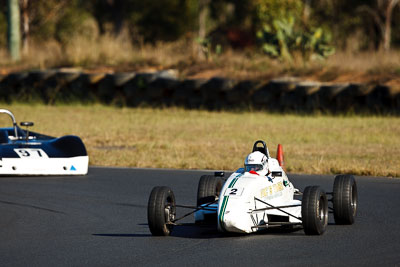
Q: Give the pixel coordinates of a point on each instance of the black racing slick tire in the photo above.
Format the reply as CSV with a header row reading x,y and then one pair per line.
x,y
345,199
161,211
314,210
208,189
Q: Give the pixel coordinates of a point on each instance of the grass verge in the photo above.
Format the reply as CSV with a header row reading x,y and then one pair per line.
x,y
192,139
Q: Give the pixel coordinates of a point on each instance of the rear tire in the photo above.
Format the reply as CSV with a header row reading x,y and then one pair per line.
x,y
208,189
161,211
314,210
344,199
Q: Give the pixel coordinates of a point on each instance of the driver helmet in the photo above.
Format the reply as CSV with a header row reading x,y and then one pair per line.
x,y
255,161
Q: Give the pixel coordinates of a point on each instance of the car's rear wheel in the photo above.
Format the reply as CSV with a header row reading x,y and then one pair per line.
x,y
208,189
344,199
161,211
314,210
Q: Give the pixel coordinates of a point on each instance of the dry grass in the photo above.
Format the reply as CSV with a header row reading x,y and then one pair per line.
x,y
103,51
366,61
176,138
107,52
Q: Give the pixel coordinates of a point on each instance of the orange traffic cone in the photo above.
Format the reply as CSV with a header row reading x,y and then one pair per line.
x,y
279,156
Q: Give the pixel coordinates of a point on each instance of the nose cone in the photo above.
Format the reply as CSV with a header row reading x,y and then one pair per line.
x,y
235,221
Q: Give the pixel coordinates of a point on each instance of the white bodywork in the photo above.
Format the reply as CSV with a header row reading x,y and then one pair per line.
x,y
44,166
246,195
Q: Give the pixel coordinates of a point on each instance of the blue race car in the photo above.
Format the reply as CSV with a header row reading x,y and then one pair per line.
x,y
23,152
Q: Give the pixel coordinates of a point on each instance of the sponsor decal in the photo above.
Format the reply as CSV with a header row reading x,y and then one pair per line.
x,y
272,190
72,168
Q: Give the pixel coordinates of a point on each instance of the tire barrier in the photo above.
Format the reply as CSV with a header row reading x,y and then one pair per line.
x,y
164,88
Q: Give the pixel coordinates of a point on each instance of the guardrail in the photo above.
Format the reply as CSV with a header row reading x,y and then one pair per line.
x,y
163,88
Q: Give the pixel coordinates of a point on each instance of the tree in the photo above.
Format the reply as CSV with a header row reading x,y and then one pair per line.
x,y
25,25
382,16
13,29
202,34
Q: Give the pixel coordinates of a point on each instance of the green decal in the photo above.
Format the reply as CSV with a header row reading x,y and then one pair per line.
x,y
225,202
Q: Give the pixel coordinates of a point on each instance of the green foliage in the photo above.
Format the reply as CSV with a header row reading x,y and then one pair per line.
x,y
205,45
354,23
281,35
43,18
150,20
270,10
209,51
280,25
75,22
166,19
317,43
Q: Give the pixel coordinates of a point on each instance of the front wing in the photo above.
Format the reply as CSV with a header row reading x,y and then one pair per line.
x,y
260,218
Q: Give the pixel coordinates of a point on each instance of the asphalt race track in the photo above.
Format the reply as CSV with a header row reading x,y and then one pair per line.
x,y
101,220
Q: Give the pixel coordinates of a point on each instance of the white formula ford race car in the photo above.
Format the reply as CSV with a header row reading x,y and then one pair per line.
x,y
23,152
255,198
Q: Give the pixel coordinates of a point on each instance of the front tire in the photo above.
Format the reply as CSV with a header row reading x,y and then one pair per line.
x,y
314,210
161,211
344,199
208,189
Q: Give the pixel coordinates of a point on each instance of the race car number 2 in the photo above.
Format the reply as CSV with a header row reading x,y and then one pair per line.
x,y
30,153
237,191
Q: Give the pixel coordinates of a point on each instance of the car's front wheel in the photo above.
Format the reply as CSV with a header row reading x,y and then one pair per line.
x,y
314,210
344,199
161,211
